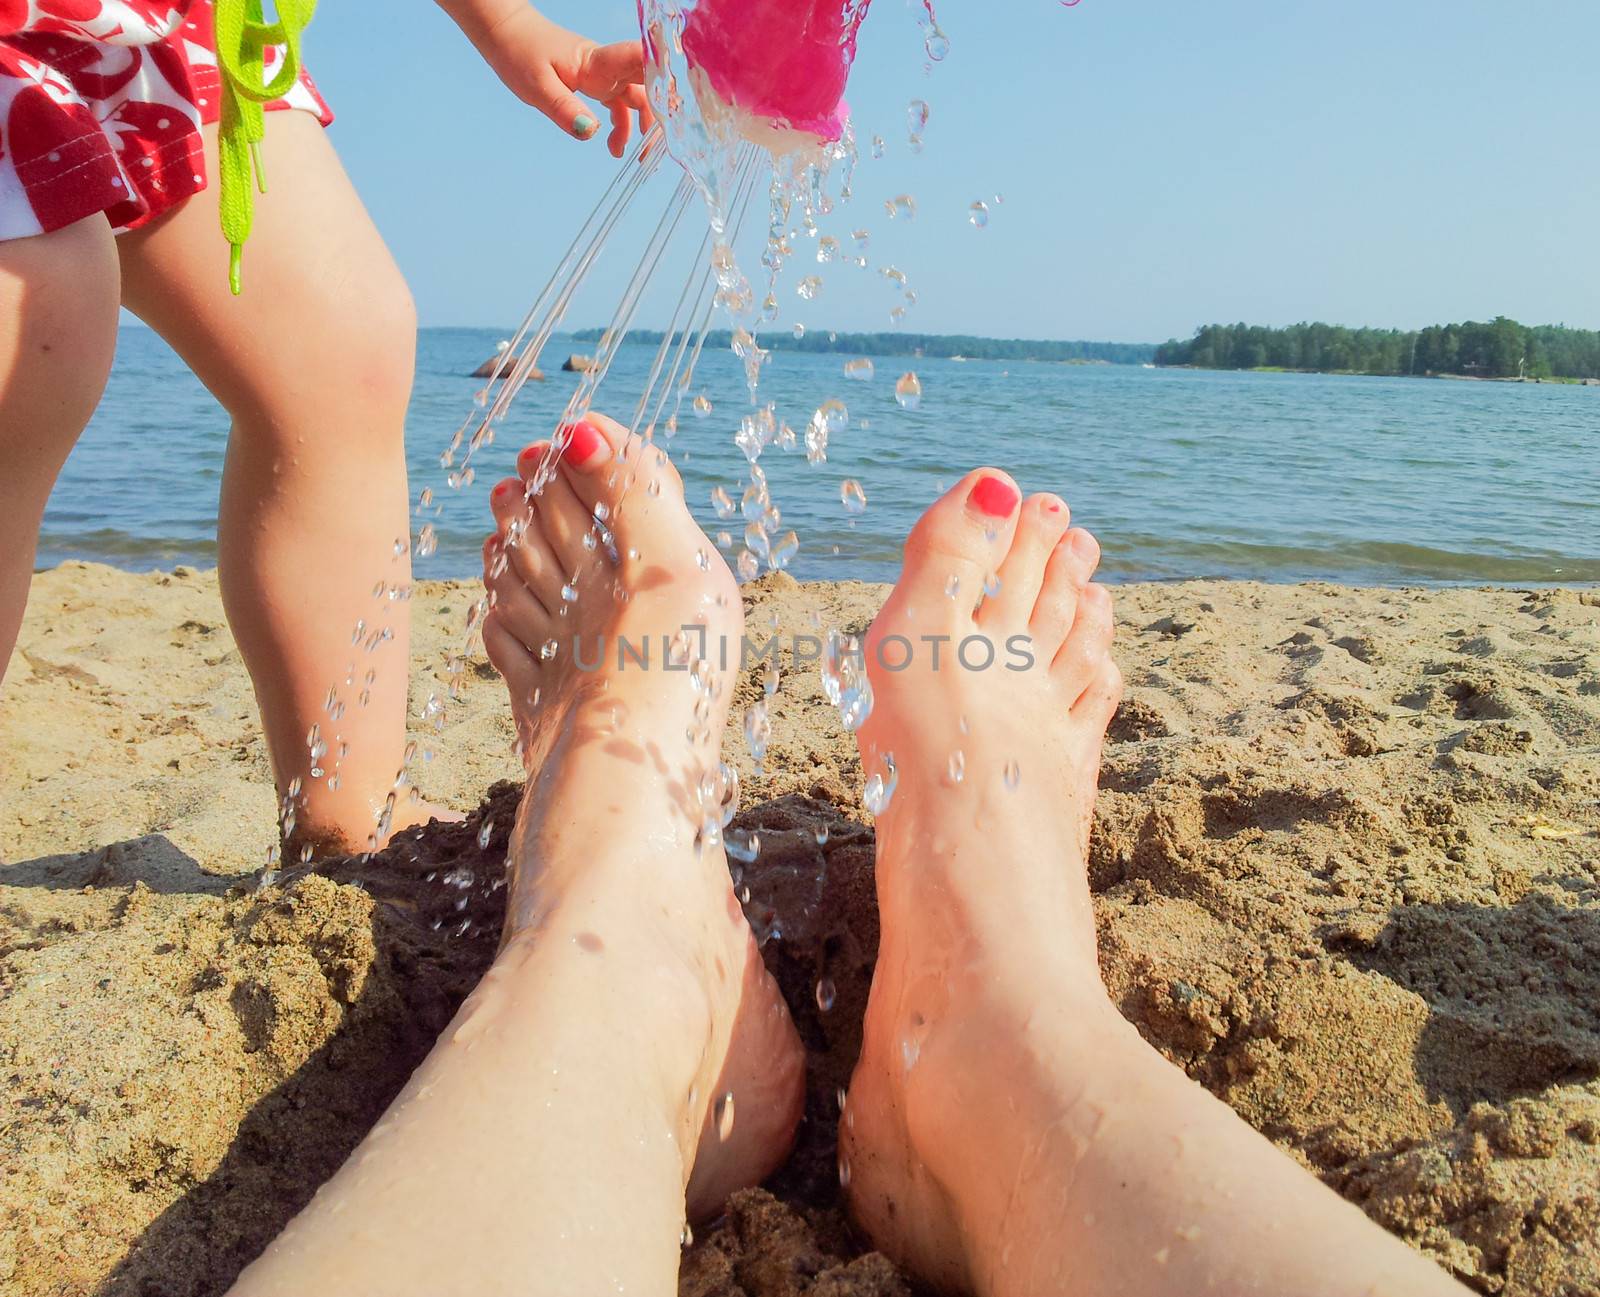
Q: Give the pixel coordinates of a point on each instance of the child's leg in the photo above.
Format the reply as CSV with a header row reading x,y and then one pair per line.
x,y
58,330
313,361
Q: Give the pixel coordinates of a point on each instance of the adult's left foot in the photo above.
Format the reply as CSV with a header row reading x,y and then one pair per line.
x,y
615,623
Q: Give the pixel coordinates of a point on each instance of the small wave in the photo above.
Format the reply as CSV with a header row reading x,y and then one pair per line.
x,y
124,550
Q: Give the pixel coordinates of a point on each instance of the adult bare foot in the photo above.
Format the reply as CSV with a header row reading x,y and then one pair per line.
x,y
1006,1131
615,625
626,1056
993,728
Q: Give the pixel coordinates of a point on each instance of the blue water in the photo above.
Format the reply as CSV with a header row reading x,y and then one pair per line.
x,y
1282,477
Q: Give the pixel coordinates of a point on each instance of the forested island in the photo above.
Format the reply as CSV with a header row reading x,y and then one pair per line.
x,y
939,346
1500,348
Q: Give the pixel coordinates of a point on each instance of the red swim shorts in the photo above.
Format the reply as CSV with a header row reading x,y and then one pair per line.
x,y
101,104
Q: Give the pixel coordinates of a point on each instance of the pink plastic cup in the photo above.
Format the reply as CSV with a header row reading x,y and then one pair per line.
x,y
784,61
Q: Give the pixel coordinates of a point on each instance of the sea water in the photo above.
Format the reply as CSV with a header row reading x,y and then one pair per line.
x,y
1181,473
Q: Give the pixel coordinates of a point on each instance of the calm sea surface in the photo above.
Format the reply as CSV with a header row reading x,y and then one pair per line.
x,y
1281,477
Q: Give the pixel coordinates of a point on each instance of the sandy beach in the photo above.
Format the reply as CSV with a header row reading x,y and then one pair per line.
x,y
1346,866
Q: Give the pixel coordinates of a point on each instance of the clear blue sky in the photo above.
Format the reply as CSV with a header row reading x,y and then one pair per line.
x,y
1164,163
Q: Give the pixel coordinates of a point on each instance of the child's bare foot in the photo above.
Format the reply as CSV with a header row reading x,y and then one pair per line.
x,y
615,625
994,731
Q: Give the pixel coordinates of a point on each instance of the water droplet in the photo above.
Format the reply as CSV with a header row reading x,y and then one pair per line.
x,y
782,551
844,680
878,147
827,249
1013,775
821,835
908,391
880,788
757,731
741,845
485,833
749,566
831,417
936,43
852,496
917,113
702,406
548,650
844,1172
861,370
826,994
991,585
701,676
958,766
952,587
799,330
569,593
722,502
901,205
978,214
724,1117
809,287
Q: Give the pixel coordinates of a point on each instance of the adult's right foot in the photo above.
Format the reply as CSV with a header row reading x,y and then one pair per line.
x,y
1007,1133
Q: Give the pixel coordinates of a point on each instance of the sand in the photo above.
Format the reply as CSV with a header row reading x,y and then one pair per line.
x,y
1347,873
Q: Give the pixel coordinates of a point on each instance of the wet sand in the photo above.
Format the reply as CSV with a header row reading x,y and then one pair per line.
x,y
1347,874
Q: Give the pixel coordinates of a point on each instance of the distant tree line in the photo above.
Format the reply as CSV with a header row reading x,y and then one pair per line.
x,y
1501,348
923,344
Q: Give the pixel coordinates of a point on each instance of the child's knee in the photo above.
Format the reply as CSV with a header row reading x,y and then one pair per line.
x,y
377,348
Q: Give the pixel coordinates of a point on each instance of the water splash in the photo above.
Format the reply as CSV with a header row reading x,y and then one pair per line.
x,y
844,679
881,786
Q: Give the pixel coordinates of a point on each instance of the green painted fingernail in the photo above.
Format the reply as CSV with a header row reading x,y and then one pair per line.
x,y
585,126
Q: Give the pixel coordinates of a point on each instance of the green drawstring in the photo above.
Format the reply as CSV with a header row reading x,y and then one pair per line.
x,y
242,39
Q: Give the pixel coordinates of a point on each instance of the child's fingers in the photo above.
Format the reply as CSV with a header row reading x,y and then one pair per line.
x,y
549,94
637,99
621,127
610,70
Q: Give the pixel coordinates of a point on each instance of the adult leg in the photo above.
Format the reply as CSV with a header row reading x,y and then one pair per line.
x,y
313,362
58,331
1007,1132
627,1048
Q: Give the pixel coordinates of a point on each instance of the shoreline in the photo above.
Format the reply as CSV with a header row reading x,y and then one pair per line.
x,y
1345,872
1115,580
1363,373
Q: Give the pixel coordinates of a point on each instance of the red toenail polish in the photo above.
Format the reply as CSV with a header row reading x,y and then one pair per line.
x,y
994,497
584,442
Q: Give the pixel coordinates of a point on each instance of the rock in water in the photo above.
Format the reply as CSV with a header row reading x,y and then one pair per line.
x,y
487,369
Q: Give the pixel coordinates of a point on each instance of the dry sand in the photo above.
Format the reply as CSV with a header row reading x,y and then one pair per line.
x,y
1347,873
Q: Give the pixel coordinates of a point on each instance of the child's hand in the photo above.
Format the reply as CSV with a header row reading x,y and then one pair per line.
x,y
547,66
